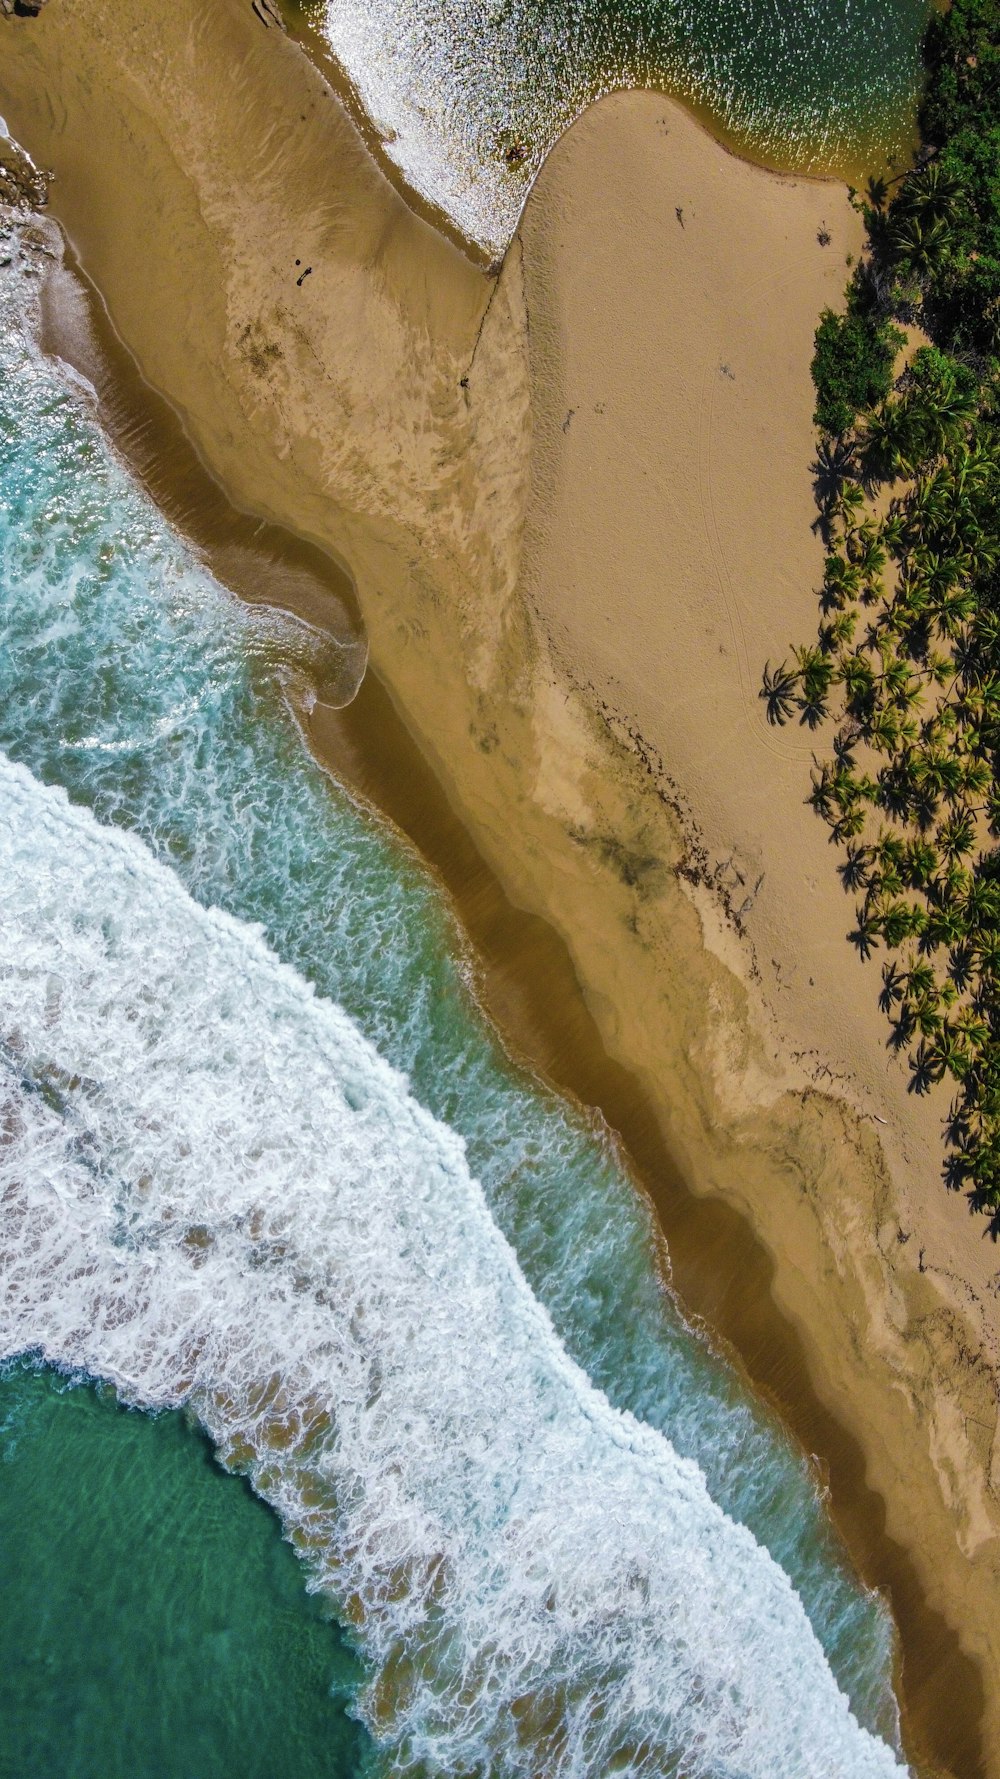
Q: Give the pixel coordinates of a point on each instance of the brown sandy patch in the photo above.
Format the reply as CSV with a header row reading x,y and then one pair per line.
x,y
407,416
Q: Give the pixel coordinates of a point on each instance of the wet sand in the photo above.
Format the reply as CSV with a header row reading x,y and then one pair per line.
x,y
304,22
338,406
525,980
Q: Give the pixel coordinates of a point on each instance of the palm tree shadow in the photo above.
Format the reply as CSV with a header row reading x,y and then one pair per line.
x,y
892,987
961,965
813,712
923,1074
955,1172
980,1200
853,871
834,461
778,691
862,937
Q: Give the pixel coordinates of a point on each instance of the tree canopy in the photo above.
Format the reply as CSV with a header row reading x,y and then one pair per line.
x,y
907,657
852,367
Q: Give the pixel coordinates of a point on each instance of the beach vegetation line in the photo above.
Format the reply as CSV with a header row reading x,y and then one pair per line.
x,y
906,662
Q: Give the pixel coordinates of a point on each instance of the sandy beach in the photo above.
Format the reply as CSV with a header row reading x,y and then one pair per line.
x,y
576,505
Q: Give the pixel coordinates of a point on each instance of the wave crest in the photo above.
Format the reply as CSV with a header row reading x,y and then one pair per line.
x,y
216,1193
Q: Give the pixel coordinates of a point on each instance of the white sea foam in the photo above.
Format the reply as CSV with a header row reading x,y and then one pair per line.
x,y
216,1193
131,678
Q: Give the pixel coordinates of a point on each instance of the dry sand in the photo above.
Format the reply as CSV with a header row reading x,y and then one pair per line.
x,y
577,506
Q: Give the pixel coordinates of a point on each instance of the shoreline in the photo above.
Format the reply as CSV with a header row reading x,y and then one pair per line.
x,y
308,35
524,980
594,889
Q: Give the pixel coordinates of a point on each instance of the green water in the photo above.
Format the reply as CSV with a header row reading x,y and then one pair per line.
x,y
454,85
154,1624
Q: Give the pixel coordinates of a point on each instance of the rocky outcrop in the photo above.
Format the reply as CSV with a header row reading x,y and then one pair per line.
x,y
23,186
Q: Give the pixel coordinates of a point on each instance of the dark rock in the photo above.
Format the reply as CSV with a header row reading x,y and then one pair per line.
x,y
23,186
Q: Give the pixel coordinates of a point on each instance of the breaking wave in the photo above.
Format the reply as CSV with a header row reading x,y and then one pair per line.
x,y
215,1193
132,679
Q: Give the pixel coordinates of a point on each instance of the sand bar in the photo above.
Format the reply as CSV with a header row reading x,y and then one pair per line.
x,y
413,418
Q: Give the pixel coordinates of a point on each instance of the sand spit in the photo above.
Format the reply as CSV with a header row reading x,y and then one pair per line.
x,y
576,503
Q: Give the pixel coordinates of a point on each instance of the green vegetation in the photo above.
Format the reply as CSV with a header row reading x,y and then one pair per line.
x,y
852,366
907,659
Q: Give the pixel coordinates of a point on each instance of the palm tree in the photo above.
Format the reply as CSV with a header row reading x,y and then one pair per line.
x,y
894,529
951,889
919,244
938,774
982,903
816,676
970,471
884,730
857,676
852,498
932,191
986,945
900,683
952,609
957,835
976,776
986,638
971,541
984,1171
842,580
927,508
925,1016
984,698
949,1052
939,418
887,442
897,787
973,1030
902,920
838,631
921,863
920,978
946,1053
889,851
849,823
945,926
866,549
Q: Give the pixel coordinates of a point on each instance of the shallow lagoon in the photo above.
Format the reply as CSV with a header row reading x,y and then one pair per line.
x,y
469,96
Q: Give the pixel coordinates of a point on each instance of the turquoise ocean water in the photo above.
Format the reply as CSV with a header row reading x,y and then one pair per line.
x,y
264,1161
153,1620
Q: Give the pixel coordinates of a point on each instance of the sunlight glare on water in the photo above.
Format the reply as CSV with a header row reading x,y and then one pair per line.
x,y
469,95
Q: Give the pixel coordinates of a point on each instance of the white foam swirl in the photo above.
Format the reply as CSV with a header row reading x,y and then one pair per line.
x,y
215,1192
